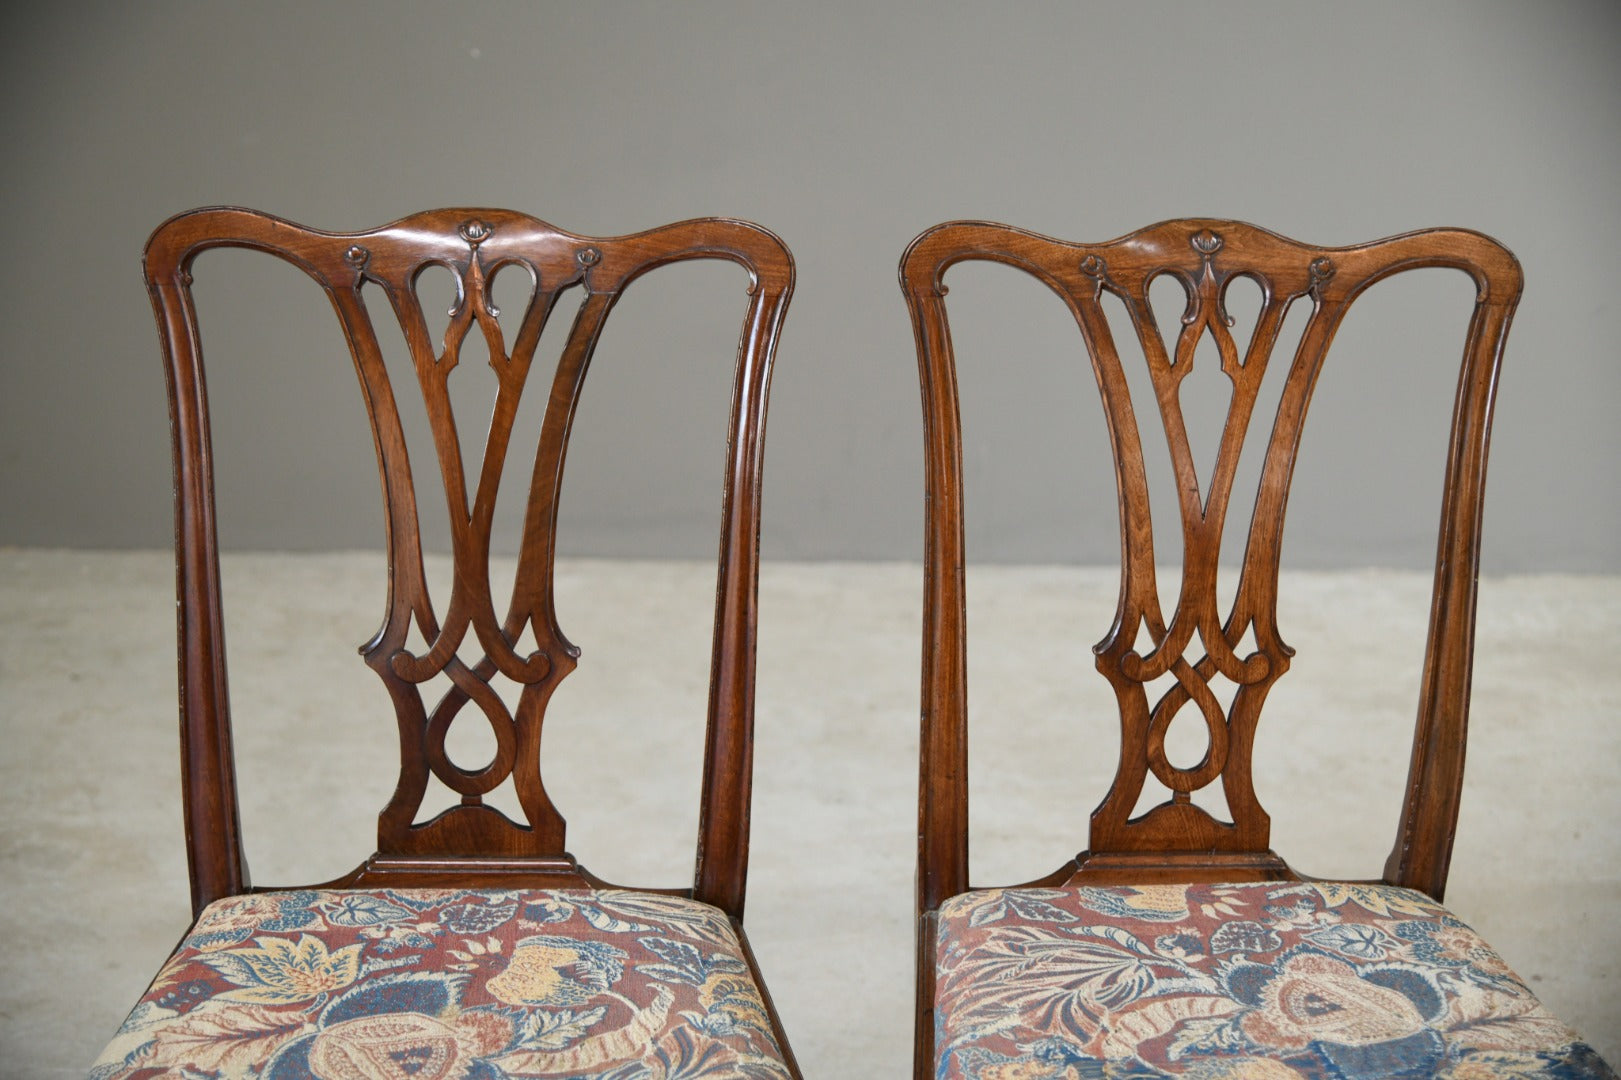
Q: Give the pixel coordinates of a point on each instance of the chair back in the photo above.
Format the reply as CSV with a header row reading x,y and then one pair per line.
x,y
1200,645
423,637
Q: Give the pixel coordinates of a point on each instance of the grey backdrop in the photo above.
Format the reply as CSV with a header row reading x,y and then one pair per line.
x,y
847,129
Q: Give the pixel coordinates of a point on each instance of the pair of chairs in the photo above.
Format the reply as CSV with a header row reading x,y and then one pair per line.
x,y
470,945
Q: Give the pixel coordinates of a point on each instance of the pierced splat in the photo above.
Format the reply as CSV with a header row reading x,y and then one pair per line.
x,y
1193,641
470,497
1198,640
472,637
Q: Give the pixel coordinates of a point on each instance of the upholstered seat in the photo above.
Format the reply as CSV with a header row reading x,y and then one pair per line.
x,y
430,983
1263,979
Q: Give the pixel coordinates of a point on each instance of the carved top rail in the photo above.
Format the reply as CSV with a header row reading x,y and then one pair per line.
x,y
1179,840
471,840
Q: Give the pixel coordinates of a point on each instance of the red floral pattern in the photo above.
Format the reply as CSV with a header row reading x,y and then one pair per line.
x,y
1266,980
436,985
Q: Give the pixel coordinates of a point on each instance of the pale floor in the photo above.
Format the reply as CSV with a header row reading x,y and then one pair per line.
x,y
92,870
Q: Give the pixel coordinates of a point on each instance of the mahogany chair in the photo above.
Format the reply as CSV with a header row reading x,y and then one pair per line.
x,y
1178,942
468,945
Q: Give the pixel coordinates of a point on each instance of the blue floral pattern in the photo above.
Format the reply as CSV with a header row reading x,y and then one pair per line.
x,y
1267,980
451,985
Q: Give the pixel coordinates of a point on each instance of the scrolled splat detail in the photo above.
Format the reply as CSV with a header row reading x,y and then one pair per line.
x,y
1189,686
1097,269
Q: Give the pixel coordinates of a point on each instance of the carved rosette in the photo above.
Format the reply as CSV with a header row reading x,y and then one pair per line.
x,y
1321,270
1094,267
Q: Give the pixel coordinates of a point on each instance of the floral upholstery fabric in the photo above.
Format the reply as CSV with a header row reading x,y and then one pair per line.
x,y
1269,981
451,985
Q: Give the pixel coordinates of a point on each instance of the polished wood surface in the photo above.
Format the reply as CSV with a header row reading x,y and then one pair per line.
x,y
1196,643
472,844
